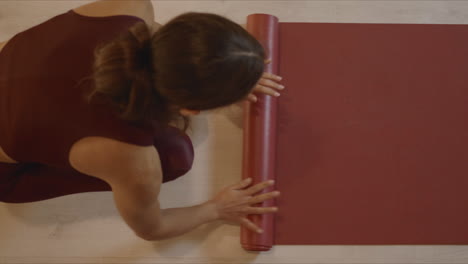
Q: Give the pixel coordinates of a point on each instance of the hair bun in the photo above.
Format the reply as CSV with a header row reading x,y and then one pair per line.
x,y
143,56
141,47
123,72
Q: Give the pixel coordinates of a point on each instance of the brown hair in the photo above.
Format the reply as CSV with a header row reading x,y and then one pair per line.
x,y
197,61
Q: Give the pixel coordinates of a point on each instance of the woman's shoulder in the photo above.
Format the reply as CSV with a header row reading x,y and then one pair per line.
x,y
111,160
143,9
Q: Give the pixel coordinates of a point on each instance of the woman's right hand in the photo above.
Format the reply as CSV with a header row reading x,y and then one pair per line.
x,y
233,203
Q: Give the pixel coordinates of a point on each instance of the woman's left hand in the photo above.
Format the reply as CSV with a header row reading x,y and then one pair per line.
x,y
267,84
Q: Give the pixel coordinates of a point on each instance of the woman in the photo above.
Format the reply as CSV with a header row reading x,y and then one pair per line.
x,y
115,127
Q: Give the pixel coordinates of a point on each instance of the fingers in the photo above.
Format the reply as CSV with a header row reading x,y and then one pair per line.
x,y
271,76
262,197
267,85
266,90
250,225
251,97
258,187
260,210
270,83
242,184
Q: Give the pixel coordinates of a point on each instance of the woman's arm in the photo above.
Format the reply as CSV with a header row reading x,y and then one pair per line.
x,y
140,209
233,203
135,175
138,205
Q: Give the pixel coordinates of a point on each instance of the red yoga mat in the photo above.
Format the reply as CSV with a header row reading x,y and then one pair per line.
x,y
368,143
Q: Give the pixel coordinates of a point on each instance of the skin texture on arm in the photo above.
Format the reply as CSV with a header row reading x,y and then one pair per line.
x,y
135,175
137,202
133,172
140,208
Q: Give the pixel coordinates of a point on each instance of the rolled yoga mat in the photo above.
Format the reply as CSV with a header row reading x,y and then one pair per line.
x,y
368,143
259,147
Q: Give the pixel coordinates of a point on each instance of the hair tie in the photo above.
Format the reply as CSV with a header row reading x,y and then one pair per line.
x,y
144,56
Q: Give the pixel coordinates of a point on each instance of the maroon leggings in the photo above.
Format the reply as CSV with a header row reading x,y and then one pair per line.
x,y
30,182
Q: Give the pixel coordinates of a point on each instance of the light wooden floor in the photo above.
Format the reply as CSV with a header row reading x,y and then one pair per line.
x,y
86,228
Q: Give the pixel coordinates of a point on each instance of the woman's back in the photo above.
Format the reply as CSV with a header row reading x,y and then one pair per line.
x,y
43,103
79,152
98,13
57,137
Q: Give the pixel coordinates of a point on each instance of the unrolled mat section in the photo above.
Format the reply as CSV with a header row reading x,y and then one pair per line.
x,y
368,143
